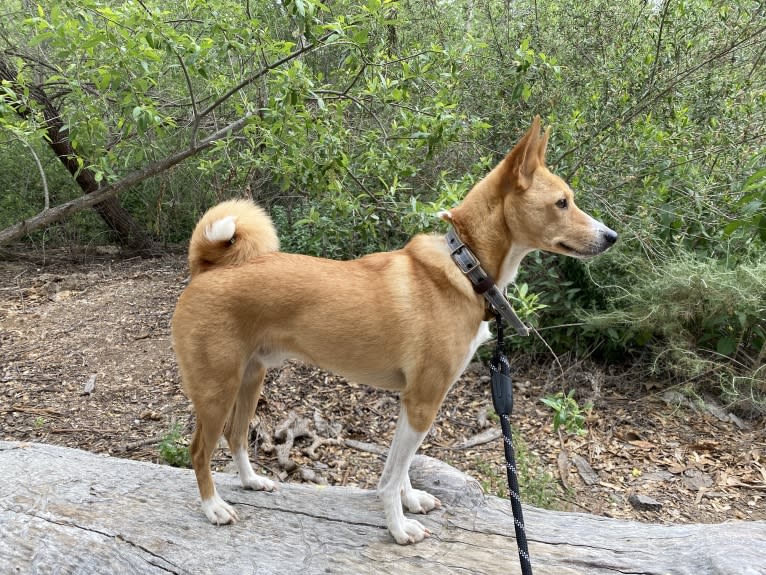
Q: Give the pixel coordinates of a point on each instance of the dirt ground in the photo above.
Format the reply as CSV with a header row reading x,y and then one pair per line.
x,y
86,362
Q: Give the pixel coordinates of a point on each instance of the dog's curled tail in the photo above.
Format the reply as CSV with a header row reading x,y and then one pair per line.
x,y
230,234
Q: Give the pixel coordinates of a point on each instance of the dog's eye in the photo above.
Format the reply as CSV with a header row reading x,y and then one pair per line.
x,y
562,203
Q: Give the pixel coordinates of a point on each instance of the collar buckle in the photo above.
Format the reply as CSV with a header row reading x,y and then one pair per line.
x,y
482,282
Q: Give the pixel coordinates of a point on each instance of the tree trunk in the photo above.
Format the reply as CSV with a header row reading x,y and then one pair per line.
x,y
127,231
68,511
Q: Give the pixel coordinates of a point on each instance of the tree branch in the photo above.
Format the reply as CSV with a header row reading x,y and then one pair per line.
x,y
46,194
128,231
659,42
64,210
195,114
646,99
265,70
185,71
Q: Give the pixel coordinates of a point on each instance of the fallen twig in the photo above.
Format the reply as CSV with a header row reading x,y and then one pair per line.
x,y
33,410
83,430
367,447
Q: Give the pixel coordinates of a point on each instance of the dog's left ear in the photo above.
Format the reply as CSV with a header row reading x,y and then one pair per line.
x,y
526,156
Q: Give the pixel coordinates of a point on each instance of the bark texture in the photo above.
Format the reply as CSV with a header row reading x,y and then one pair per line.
x,y
69,511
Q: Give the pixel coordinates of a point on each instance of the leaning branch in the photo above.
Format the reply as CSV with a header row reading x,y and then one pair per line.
x,y
43,179
64,210
263,71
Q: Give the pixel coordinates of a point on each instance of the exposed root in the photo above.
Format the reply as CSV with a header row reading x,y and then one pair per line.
x,y
283,441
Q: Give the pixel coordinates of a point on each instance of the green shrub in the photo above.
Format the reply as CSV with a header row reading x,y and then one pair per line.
x,y
567,413
703,319
173,449
537,486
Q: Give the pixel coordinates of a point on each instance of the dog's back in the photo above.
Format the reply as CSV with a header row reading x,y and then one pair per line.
x,y
230,234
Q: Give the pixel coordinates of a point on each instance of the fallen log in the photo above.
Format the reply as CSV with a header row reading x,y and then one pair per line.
x,y
69,511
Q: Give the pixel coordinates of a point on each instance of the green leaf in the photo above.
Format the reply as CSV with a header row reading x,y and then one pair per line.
x,y
727,345
361,36
756,180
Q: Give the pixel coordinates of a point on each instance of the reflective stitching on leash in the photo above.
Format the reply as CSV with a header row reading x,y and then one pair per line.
x,y
500,375
502,399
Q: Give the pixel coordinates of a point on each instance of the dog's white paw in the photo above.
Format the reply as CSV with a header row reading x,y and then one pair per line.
x,y
417,501
258,483
218,511
408,531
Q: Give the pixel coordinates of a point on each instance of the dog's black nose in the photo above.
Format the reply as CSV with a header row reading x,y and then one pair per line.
x,y
610,236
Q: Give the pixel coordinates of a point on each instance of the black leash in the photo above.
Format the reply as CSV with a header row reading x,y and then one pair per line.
x,y
502,387
502,399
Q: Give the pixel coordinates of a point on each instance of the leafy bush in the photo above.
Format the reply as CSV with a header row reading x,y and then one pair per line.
x,y
657,108
704,319
173,449
567,413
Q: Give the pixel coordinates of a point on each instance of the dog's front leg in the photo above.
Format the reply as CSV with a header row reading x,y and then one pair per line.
x,y
395,489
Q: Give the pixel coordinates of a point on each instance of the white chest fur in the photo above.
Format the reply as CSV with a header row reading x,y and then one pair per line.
x,y
510,265
482,335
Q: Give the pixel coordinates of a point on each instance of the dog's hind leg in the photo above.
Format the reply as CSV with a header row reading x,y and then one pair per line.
x,y
211,416
237,426
394,489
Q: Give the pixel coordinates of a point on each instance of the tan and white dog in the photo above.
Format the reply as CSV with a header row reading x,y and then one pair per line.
x,y
407,320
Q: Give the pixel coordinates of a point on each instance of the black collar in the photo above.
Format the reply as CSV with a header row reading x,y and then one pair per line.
x,y
483,283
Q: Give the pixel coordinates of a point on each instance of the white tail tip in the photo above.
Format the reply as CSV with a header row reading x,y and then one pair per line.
x,y
222,230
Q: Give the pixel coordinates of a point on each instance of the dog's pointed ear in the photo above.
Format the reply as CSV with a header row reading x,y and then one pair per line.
x,y
543,145
522,161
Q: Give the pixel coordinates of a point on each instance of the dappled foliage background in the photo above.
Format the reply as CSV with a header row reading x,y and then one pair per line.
x,y
367,118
